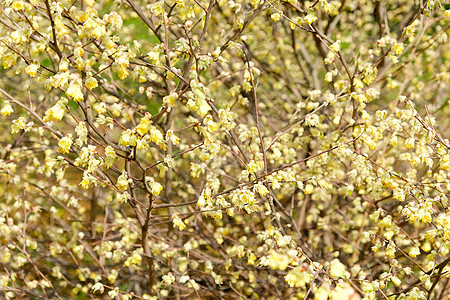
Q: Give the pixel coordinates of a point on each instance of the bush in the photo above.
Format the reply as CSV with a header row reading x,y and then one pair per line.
x,y
224,149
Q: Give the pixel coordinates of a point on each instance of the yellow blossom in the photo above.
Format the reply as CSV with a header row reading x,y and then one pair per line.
x,y
157,8
414,251
261,189
398,48
309,188
91,82
114,19
127,138
409,143
252,167
337,269
344,291
390,250
6,109
82,133
310,17
74,90
178,223
32,68
143,125
170,136
134,259
170,100
63,64
65,143
17,5
122,181
276,17
395,280
56,112
9,60
156,136
110,156
298,277
336,46
278,261
155,187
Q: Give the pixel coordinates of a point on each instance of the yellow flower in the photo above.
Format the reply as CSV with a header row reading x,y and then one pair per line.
x,y
394,140
19,36
398,48
156,136
91,82
114,19
309,188
78,51
9,60
61,29
336,46
276,17
409,143
5,255
344,291
310,17
178,223
143,126
169,278
157,8
127,138
7,109
395,280
122,181
252,167
211,125
278,261
370,74
298,277
153,56
65,143
20,124
82,133
156,188
169,161
414,251
110,156
134,259
261,189
170,100
331,8
329,77
390,250
98,287
31,69
63,64
337,269
312,120
74,90
170,136
98,30
409,30
121,63
57,111
17,5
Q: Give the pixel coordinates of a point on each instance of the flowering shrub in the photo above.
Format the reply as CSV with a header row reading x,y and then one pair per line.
x,y
224,149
